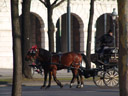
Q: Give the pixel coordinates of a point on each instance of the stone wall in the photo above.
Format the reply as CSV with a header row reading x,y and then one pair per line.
x,y
79,8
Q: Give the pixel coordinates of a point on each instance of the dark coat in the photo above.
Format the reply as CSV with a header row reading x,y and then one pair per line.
x,y
107,40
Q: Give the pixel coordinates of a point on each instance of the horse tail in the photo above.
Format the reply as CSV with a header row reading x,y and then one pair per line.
x,y
81,62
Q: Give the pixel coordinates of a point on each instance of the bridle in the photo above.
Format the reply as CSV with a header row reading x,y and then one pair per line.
x,y
33,52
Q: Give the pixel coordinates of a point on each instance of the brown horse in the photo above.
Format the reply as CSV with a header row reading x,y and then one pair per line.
x,y
53,62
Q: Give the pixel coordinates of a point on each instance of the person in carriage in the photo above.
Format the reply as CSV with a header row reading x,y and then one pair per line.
x,y
106,43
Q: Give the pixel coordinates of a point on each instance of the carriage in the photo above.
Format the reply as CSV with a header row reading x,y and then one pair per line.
x,y
104,74
106,71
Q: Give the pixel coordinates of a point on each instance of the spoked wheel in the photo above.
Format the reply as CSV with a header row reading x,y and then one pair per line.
x,y
111,78
98,79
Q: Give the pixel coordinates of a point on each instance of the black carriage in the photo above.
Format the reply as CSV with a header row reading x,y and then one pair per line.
x,y
107,66
106,71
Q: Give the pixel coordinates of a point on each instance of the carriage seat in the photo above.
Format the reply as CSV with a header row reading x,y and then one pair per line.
x,y
108,50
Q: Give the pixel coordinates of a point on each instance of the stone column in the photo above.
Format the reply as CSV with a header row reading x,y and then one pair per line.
x,y
44,38
55,39
82,41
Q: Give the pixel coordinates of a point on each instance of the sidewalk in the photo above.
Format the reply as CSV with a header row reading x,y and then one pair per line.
x,y
8,73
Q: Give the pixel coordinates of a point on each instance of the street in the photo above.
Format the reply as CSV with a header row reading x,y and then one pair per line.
x,y
33,88
88,90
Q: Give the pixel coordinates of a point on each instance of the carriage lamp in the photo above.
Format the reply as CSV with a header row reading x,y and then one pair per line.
x,y
114,14
114,17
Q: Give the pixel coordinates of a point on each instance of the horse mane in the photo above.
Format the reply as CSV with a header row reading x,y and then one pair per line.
x,y
45,54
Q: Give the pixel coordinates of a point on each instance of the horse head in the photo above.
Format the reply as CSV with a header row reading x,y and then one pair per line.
x,y
32,53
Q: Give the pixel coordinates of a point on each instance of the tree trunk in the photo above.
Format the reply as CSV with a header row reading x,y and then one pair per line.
x,y
88,52
26,36
123,47
17,58
50,6
50,29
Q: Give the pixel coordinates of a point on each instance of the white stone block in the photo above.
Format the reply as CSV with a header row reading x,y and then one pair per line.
x,y
5,49
6,44
6,62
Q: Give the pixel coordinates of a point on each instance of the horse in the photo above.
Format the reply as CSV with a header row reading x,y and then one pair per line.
x,y
51,62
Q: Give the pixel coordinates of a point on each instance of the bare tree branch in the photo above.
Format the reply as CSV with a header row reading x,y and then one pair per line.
x,y
54,2
43,3
57,4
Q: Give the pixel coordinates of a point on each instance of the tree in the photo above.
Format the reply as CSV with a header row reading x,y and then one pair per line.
x,y
50,6
17,58
123,47
88,52
25,20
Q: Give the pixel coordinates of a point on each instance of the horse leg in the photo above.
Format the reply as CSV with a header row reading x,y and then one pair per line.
x,y
72,81
56,80
81,80
45,79
78,82
50,78
75,74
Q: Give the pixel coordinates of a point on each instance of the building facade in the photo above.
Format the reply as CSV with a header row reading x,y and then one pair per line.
x,y
79,23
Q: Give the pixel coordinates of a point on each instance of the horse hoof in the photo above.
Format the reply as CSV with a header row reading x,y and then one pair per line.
x,y
78,86
82,86
47,87
71,85
42,87
61,86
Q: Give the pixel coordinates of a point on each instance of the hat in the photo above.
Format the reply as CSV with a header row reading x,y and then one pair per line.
x,y
110,31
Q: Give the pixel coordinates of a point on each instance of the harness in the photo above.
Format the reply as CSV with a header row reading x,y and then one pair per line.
x,y
49,57
60,55
75,62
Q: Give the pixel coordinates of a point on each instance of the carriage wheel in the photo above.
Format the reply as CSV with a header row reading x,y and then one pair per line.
x,y
111,78
98,79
